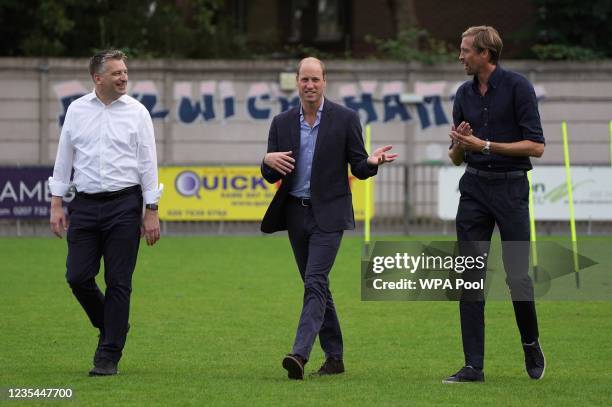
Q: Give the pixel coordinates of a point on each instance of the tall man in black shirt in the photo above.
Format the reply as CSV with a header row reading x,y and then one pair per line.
x,y
496,129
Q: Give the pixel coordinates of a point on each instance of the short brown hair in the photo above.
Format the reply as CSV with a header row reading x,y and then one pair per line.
x,y
486,38
96,63
299,66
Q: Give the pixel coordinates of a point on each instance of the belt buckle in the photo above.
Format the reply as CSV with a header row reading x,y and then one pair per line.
x,y
303,202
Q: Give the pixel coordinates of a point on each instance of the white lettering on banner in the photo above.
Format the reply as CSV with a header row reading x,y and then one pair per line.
x,y
216,101
36,191
39,192
591,188
8,192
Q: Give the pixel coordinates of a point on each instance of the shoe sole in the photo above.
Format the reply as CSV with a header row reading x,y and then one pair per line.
x,y
318,374
461,382
294,368
94,374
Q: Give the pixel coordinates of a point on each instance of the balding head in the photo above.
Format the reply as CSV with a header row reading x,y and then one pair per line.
x,y
310,61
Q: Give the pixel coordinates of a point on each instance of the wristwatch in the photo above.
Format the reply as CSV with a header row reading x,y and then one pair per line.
x,y
486,150
152,207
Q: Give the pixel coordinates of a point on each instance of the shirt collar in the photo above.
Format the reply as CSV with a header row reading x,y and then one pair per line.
x,y
318,111
92,96
494,79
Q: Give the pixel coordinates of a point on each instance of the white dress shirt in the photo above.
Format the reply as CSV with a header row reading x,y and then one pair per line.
x,y
111,147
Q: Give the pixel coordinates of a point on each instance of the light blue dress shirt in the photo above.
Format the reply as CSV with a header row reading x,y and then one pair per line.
x,y
308,141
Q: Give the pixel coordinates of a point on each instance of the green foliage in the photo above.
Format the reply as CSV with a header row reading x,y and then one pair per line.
x,y
53,24
149,29
558,52
573,29
413,44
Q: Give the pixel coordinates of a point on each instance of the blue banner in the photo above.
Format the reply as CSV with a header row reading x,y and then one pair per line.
x,y
24,192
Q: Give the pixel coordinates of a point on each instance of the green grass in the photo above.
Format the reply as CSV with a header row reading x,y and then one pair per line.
x,y
212,318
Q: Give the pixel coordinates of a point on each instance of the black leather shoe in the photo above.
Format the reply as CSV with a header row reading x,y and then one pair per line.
x,y
467,374
330,367
104,367
294,365
535,364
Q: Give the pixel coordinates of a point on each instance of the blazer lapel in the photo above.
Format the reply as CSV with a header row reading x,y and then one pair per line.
x,y
323,127
295,134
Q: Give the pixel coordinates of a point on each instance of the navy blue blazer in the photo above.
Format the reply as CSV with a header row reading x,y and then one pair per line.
x,y
339,144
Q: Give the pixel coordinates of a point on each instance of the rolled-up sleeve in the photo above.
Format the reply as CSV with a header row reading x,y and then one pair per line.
x,y
59,183
147,160
527,115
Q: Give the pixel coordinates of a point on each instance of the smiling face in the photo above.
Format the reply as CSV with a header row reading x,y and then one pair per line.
x,y
111,83
472,60
311,82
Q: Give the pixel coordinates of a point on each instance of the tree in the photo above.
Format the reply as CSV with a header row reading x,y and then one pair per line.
x,y
573,29
153,28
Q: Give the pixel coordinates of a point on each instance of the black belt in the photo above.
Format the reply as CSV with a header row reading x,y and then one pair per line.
x,y
108,196
301,201
495,175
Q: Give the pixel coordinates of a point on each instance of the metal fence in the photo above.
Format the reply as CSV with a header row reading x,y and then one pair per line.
x,y
406,199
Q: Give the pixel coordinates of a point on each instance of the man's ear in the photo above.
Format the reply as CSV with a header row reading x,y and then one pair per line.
x,y
94,78
486,54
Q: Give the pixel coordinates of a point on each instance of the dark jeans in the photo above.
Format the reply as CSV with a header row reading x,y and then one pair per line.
x,y
484,203
315,252
108,229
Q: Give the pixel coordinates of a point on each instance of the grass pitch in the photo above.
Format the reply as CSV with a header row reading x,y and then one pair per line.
x,y
212,318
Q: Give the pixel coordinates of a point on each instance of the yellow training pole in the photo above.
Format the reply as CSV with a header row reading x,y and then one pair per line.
x,y
534,248
368,190
570,197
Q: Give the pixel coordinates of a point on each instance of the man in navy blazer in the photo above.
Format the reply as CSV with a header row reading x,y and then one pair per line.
x,y
309,148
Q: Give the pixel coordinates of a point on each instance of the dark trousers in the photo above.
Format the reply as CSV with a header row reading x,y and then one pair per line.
x,y
315,252
108,228
484,203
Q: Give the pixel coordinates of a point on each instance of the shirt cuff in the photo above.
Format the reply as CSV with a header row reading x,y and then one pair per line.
x,y
153,196
58,188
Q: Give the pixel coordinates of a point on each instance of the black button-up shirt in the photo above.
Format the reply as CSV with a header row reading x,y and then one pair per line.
x,y
507,113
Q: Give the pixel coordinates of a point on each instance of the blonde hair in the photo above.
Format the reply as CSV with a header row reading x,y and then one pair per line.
x,y
486,38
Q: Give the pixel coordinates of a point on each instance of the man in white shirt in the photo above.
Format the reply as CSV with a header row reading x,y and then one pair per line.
x,y
107,138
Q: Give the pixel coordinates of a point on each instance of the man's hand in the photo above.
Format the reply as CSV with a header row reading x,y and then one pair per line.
x,y
463,137
452,135
58,220
380,156
150,227
281,162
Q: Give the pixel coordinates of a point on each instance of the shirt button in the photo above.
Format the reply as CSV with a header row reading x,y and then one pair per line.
x,y
486,124
485,109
